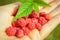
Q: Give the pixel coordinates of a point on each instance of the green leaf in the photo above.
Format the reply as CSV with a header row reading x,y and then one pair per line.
x,y
23,1
24,10
41,3
55,34
35,7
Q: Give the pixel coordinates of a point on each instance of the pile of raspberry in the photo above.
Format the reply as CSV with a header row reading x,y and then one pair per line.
x,y
24,25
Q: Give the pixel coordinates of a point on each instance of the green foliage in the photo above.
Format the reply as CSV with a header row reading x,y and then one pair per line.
x,y
27,6
35,7
24,1
41,3
24,10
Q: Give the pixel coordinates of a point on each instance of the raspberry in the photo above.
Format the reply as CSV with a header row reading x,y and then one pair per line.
x,y
31,25
38,26
26,30
11,31
34,15
28,20
42,20
19,33
21,22
14,24
34,20
42,14
47,16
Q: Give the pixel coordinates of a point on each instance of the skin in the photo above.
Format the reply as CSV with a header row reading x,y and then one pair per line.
x,y
50,26
5,21
33,35
53,14
53,5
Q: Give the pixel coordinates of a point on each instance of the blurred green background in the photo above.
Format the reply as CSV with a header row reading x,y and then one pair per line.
x,y
3,2
55,35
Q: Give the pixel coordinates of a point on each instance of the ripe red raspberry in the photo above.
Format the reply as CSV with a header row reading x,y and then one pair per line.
x,y
47,16
38,26
11,31
42,14
28,20
42,20
26,30
19,33
34,20
14,24
31,25
34,15
21,22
